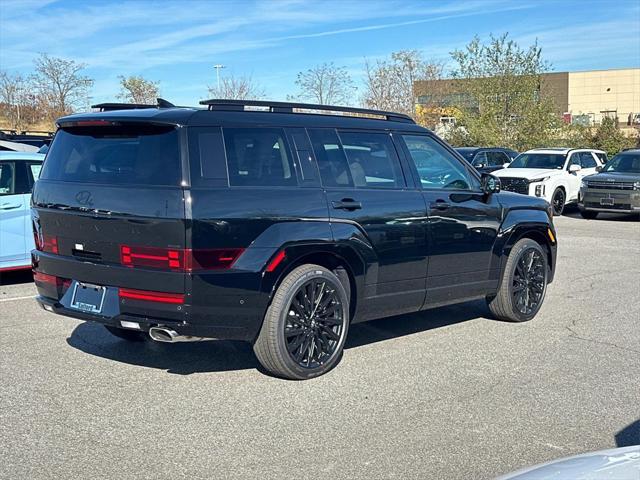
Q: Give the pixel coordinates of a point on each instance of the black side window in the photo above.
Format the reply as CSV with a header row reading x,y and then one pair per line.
x,y
587,160
437,167
207,159
258,157
332,162
496,159
372,159
602,157
34,171
7,178
575,159
480,159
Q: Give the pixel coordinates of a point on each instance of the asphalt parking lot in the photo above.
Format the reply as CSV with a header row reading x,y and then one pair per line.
x,y
448,393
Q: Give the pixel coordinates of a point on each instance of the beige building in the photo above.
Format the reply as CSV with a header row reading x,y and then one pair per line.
x,y
604,93
581,97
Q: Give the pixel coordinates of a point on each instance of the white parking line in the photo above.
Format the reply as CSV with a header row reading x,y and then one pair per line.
x,y
16,298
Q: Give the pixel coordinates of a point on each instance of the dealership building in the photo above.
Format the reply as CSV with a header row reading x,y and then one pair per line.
x,y
580,97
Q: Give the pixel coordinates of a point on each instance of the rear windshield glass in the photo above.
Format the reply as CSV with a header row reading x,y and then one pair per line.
x,y
115,155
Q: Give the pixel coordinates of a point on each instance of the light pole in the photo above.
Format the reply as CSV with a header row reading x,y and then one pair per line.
x,y
218,66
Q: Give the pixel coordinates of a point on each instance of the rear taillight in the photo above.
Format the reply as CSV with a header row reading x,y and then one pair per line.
x,y
149,296
46,243
57,282
183,260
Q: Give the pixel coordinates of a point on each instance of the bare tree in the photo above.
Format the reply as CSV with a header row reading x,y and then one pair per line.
x,y
16,103
390,83
60,85
326,84
137,89
237,88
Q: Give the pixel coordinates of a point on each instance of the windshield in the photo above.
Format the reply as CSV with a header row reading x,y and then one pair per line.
x,y
550,161
115,155
466,152
624,163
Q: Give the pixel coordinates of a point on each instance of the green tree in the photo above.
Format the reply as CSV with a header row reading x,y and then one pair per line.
x,y
609,137
502,85
137,89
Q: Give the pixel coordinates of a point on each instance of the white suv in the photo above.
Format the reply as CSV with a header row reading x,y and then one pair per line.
x,y
551,173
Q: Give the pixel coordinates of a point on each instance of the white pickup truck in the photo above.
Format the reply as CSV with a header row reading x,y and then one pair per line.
x,y
554,174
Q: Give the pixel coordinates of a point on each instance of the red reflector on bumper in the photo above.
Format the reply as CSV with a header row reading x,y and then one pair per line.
x,y
149,296
277,260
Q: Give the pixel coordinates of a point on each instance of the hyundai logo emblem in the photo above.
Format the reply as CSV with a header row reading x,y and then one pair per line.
x,y
84,198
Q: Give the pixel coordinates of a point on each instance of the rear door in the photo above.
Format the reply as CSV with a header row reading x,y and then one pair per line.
x,y
109,206
365,185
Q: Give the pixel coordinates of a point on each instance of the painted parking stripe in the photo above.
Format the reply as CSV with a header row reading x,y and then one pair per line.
x,y
16,298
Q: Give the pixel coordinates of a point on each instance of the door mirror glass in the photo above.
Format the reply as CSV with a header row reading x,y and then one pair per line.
x,y
574,168
490,184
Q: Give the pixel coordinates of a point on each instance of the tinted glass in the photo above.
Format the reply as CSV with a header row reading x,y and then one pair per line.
x,y
207,157
587,160
35,169
550,161
496,159
258,157
372,160
480,159
141,155
436,166
624,163
332,162
7,178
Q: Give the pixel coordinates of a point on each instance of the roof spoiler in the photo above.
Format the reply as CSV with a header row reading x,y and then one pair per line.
x,y
288,107
107,107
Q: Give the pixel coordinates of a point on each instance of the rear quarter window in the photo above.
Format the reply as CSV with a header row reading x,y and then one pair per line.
x,y
115,155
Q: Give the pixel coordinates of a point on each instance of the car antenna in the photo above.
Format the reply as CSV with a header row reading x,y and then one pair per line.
x,y
162,103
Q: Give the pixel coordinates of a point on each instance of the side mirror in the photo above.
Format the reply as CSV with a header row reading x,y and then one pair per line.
x,y
599,168
490,184
574,168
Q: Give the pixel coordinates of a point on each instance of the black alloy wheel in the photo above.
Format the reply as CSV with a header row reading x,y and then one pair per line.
x,y
306,324
529,281
558,202
314,323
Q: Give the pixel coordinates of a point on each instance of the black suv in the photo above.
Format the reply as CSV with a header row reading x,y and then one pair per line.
x,y
488,159
275,223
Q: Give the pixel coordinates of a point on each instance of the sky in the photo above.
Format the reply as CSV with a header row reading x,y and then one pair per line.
x,y
178,42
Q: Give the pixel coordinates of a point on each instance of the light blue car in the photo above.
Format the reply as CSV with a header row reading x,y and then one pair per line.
x,y
18,172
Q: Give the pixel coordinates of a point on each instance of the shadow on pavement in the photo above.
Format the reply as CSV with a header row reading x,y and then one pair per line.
x,y
616,217
629,435
16,277
222,355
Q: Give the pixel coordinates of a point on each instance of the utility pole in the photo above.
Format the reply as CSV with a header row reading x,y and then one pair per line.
x,y
218,66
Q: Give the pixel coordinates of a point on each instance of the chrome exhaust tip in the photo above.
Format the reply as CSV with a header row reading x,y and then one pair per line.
x,y
166,335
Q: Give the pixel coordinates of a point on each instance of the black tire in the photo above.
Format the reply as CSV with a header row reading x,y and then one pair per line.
x,y
294,329
558,201
128,335
588,214
518,284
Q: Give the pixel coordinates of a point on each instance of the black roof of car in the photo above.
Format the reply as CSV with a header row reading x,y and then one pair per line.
x,y
251,112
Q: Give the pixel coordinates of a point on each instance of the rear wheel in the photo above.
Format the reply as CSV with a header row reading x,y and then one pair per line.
x,y
524,283
589,214
305,326
128,335
558,201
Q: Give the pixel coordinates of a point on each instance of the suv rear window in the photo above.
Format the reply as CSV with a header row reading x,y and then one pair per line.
x,y
115,155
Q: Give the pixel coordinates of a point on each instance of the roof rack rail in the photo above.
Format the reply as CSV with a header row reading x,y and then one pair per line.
x,y
309,108
107,107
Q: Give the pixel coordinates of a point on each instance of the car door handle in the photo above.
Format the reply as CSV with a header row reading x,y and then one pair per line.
x,y
10,206
440,205
346,204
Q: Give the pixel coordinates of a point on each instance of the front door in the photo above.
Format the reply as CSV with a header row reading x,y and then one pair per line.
x,y
366,186
13,210
463,223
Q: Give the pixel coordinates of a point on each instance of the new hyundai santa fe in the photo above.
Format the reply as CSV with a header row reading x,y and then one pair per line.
x,y
279,224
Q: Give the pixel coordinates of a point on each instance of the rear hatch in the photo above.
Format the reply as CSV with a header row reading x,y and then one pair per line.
x,y
108,208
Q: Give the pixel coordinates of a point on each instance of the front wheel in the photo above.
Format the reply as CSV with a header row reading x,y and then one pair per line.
x,y
558,202
524,283
305,326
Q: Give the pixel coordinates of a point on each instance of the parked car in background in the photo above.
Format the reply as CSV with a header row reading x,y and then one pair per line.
x,y
280,227
554,174
18,172
487,160
615,189
34,138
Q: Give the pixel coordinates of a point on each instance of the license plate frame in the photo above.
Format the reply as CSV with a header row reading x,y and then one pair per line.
x,y
607,202
88,298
